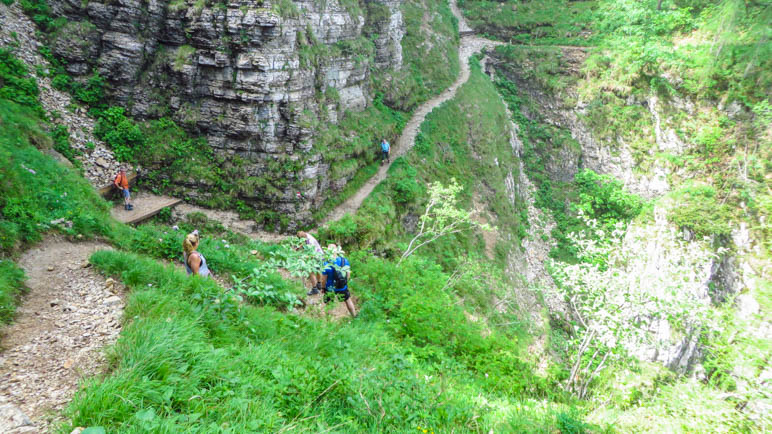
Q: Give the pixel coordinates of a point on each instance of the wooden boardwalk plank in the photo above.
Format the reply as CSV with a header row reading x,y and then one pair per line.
x,y
145,206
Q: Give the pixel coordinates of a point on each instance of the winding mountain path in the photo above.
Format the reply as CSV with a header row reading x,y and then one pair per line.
x,y
469,45
69,314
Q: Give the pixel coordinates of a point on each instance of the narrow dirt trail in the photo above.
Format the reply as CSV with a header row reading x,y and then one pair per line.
x,y
230,220
463,27
469,46
68,315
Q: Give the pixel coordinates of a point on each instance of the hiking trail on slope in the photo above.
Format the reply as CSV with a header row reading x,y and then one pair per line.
x,y
69,314
469,46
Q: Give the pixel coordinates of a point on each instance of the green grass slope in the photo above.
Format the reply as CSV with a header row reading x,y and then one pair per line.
x,y
191,358
35,190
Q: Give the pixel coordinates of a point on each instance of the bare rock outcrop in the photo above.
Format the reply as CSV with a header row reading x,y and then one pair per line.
x,y
568,111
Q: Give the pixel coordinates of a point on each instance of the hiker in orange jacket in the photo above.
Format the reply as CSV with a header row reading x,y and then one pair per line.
x,y
122,183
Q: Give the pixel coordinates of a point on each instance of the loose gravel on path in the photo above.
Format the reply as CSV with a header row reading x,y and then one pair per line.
x,y
230,220
70,313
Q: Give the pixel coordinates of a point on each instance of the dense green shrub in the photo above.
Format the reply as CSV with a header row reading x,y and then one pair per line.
x,y
120,133
15,83
39,11
402,178
11,287
698,210
604,198
91,92
343,231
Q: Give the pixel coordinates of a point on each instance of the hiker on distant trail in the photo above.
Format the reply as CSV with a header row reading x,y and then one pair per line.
x,y
336,277
316,278
385,148
195,263
122,183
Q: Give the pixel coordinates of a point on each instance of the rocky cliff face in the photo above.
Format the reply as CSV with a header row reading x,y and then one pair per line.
x,y
247,75
723,277
568,111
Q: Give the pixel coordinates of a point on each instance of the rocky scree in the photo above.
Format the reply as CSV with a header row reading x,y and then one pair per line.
x,y
98,162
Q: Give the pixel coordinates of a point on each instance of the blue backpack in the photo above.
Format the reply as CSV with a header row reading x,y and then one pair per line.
x,y
341,280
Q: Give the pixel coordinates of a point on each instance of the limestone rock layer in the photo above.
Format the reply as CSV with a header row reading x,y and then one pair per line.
x,y
246,75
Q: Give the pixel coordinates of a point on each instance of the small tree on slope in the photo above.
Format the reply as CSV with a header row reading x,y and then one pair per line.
x,y
442,217
631,291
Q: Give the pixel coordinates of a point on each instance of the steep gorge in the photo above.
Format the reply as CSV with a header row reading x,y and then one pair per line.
x,y
517,129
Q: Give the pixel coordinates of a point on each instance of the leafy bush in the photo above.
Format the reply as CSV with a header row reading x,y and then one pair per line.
x,y
123,136
402,178
264,287
91,92
604,198
698,211
343,231
15,83
11,287
620,294
39,11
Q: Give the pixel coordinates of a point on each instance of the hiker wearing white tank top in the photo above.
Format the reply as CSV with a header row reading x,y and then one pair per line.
x,y
195,263
316,278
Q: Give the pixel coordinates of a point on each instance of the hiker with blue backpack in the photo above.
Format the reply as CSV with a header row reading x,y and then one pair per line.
x,y
385,148
335,277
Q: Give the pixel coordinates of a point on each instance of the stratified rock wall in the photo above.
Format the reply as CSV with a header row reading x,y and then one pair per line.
x,y
245,74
